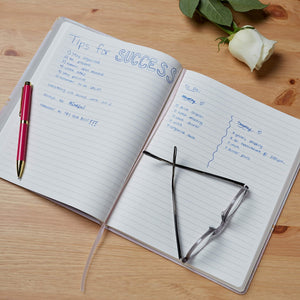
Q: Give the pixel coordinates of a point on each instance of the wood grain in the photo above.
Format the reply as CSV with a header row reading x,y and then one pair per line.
x,y
43,247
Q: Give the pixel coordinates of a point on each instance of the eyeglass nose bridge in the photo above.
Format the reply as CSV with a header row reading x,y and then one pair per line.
x,y
220,228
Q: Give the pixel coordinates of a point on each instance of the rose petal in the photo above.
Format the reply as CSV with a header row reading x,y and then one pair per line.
x,y
246,46
267,51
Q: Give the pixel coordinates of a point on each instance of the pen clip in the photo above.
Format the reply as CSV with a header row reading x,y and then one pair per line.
x,y
22,96
27,83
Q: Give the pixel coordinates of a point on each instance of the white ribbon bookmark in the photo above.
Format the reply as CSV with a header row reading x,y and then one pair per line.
x,y
92,252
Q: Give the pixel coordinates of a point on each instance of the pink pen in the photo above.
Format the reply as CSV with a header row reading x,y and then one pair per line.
x,y
24,126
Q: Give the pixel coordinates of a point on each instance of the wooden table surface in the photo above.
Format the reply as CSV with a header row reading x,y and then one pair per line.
x,y
44,247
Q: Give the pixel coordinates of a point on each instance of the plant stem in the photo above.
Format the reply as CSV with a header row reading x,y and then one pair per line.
x,y
229,32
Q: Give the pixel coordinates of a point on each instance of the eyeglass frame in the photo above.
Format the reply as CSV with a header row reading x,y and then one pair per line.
x,y
226,214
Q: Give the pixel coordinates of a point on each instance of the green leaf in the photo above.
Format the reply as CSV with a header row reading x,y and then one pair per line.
x,y
188,7
216,12
246,5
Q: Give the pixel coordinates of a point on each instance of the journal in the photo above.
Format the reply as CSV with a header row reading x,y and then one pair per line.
x,y
106,116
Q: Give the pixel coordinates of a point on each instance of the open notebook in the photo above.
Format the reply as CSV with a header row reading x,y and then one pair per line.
x,y
99,102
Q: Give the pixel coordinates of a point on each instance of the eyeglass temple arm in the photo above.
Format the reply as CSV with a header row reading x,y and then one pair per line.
x,y
194,170
175,204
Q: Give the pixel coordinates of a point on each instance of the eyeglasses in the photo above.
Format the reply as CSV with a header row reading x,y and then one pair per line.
x,y
226,214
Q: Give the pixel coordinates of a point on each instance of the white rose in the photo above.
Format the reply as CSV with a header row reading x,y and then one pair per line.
x,y
250,47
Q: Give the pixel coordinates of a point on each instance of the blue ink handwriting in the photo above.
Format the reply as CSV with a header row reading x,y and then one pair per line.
x,y
192,89
145,62
80,44
221,142
188,99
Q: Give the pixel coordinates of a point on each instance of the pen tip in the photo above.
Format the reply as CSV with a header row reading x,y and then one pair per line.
x,y
27,82
20,168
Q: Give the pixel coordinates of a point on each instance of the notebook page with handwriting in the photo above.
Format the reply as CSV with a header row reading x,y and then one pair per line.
x,y
218,130
95,100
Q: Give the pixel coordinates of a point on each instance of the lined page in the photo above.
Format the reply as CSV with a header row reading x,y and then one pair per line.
x,y
221,131
95,99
